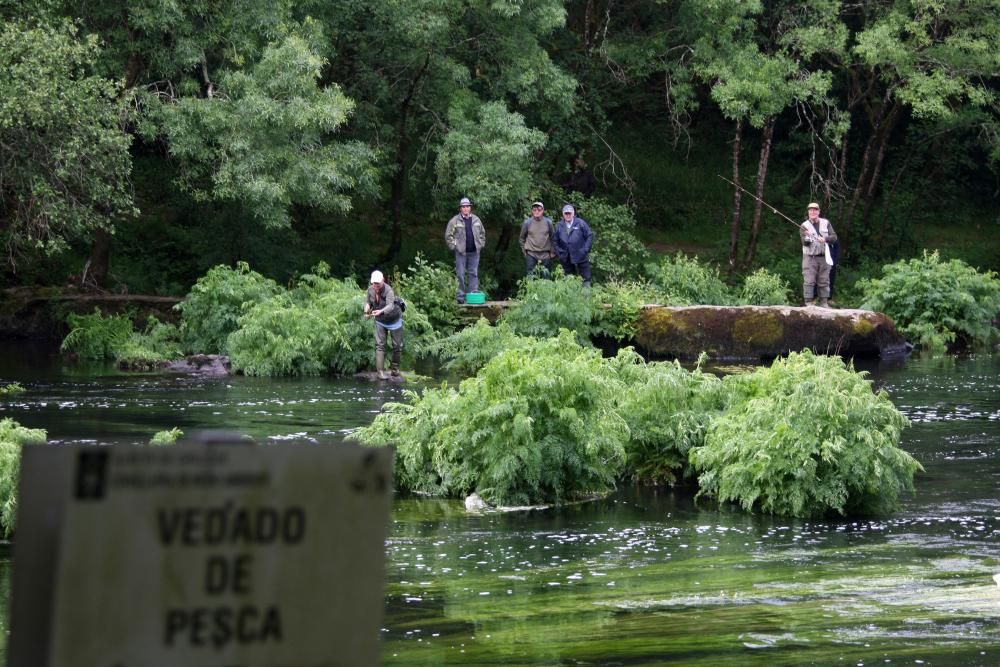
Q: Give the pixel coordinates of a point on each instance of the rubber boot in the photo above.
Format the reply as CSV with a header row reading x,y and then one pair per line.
x,y
824,303
380,364
395,363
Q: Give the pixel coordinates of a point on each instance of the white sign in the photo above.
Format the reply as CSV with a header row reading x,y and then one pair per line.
x,y
207,556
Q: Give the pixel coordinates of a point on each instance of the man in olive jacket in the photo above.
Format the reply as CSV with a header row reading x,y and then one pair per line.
x,y
817,233
466,236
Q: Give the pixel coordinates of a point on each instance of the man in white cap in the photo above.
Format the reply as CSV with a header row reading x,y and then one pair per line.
x,y
537,240
816,233
381,303
466,236
573,242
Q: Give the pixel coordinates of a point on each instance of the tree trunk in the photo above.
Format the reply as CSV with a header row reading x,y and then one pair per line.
x,y
734,228
96,271
765,156
398,186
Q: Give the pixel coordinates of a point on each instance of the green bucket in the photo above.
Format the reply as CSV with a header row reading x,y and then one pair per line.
x,y
475,298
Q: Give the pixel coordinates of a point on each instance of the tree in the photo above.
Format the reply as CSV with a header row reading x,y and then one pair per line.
x,y
64,170
410,62
935,62
262,138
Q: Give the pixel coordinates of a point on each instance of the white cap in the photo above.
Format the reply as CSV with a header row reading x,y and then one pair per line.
x,y
377,277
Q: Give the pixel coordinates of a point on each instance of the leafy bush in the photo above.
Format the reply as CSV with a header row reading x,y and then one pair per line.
x,y
95,336
159,342
471,348
530,427
314,328
763,288
12,437
934,302
615,307
430,288
98,337
167,437
684,281
543,307
211,309
668,410
11,389
618,254
806,437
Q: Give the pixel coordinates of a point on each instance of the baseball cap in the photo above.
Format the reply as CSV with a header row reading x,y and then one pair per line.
x,y
812,204
537,203
568,208
464,201
377,277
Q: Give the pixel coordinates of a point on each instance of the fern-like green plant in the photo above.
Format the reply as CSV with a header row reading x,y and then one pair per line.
x,y
936,303
533,426
616,305
763,288
211,309
11,389
668,410
684,281
543,307
96,337
471,348
430,289
806,437
12,437
168,437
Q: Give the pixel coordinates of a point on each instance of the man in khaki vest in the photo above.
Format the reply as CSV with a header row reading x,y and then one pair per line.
x,y
816,233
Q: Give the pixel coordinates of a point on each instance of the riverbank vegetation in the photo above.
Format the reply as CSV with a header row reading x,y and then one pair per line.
x,y
549,421
12,437
937,303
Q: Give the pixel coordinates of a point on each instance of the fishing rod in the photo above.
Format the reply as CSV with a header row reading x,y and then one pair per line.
x,y
773,210
826,246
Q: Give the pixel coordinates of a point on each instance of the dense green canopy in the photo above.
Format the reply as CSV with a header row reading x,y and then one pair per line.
x,y
203,132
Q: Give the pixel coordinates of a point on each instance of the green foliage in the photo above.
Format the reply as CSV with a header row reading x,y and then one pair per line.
x,y
12,437
490,158
527,428
668,410
936,302
618,254
211,309
96,337
471,348
314,328
615,307
263,141
167,437
806,437
684,281
159,342
11,389
763,288
65,159
543,307
430,288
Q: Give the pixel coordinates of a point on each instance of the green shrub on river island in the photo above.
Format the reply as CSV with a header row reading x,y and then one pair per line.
x,y
552,421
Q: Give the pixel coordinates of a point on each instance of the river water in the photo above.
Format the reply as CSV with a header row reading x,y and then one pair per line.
x,y
644,576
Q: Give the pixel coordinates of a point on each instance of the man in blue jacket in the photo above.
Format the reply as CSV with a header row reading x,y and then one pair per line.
x,y
573,242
